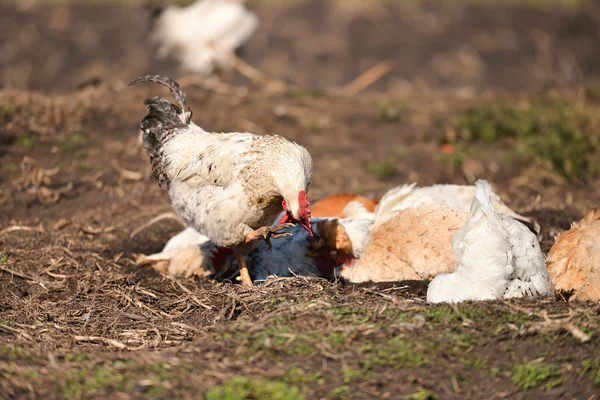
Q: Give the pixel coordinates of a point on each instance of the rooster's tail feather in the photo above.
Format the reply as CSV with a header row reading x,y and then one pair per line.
x,y
174,88
163,120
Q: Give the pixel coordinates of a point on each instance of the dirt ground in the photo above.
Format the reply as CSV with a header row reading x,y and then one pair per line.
x,y
79,320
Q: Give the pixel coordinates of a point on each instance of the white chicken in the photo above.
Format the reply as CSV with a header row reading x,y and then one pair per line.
x,y
185,254
456,197
203,35
228,186
497,257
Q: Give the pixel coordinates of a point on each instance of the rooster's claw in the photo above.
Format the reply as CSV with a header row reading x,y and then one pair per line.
x,y
268,232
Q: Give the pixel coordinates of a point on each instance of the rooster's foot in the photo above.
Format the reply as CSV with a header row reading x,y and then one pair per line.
x,y
267,233
244,274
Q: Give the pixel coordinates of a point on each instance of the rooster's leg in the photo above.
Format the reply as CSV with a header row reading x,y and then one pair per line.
x,y
241,260
267,233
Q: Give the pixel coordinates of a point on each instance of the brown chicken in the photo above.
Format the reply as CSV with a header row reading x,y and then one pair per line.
x,y
574,260
413,244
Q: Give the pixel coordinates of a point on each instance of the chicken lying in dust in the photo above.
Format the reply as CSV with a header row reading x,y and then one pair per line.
x,y
189,253
337,240
455,197
228,186
497,257
411,236
574,260
203,35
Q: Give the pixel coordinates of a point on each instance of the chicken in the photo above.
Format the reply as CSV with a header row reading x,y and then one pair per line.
x,y
574,260
456,197
187,253
412,234
203,35
496,256
337,241
333,206
228,186
406,242
344,238
190,253
411,244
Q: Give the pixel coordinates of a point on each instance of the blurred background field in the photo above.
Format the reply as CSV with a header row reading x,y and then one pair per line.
x,y
478,44
507,90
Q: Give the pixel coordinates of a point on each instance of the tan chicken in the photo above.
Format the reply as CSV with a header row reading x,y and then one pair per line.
x,y
230,187
413,244
412,234
574,260
333,206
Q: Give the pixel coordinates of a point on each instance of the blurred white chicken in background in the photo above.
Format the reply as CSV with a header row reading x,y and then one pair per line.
x,y
204,35
496,257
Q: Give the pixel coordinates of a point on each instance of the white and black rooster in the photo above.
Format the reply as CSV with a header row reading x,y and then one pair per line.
x,y
228,186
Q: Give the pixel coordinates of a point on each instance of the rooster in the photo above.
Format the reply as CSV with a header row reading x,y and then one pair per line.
x,y
497,257
203,35
228,186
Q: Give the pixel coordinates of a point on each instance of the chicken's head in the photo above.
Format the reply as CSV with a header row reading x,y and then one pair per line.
x,y
331,248
298,211
334,237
